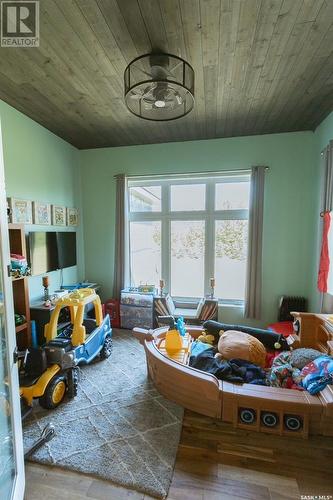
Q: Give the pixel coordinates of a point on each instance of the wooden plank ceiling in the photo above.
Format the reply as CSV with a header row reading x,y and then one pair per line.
x,y
261,66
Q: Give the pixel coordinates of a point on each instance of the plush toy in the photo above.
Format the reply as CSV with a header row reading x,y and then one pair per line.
x,y
207,338
211,338
239,345
302,356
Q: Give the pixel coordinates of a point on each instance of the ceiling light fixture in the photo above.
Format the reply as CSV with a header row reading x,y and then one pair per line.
x,y
159,87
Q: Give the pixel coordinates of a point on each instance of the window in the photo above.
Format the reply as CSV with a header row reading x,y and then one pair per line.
x,y
186,197
145,199
230,258
231,195
187,259
145,251
187,230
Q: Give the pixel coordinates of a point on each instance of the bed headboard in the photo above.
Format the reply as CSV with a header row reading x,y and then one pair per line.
x,y
314,330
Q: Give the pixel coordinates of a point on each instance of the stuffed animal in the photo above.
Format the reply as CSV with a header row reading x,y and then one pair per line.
x,y
207,338
211,338
239,345
302,356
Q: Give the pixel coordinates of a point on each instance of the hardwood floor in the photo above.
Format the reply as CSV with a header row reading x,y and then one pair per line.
x,y
257,465
214,462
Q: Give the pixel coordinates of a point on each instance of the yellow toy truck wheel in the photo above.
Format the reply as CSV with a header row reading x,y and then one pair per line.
x,y
54,392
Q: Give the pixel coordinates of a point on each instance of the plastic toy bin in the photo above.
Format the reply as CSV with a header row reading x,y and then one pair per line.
x,y
111,307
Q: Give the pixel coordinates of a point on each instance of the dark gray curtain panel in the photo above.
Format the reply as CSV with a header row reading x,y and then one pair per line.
x,y
327,199
254,262
121,243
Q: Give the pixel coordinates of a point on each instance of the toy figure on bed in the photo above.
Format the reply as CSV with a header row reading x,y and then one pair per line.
x,y
207,338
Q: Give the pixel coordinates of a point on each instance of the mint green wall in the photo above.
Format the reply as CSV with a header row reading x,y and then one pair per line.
x,y
40,166
289,202
323,135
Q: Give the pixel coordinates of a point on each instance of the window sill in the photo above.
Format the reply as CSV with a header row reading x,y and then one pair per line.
x,y
192,303
231,305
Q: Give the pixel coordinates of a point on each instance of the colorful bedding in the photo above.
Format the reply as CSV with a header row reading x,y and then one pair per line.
x,y
301,369
232,370
317,374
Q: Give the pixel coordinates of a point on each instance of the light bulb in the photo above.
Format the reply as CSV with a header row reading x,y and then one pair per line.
x,y
160,104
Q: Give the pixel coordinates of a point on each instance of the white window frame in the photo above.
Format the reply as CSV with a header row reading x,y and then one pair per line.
x,y
209,215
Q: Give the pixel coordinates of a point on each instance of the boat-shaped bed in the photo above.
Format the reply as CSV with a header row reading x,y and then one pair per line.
x,y
260,408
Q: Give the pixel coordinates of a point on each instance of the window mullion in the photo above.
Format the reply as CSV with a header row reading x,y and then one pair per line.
x,y
232,214
149,216
209,235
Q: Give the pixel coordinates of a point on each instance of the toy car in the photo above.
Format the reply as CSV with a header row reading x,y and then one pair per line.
x,y
50,372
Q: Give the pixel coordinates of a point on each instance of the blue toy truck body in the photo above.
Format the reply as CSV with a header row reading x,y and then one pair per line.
x,y
85,353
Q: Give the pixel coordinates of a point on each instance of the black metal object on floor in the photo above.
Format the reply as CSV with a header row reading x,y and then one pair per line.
x,y
47,434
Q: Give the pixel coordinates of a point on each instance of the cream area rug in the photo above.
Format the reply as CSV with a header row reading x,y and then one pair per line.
x,y
118,427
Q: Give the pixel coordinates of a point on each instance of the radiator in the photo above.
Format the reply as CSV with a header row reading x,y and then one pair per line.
x,y
291,303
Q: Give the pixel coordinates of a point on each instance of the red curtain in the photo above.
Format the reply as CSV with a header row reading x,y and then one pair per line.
x,y
324,264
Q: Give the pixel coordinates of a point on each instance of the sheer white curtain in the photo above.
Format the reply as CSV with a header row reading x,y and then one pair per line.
x,y
254,263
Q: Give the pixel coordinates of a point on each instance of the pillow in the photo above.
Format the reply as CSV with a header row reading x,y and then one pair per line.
x,y
239,345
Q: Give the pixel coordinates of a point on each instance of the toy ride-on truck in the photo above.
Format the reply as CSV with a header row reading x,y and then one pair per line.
x,y
50,372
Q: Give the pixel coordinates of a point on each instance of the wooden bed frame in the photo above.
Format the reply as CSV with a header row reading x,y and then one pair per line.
x,y
253,407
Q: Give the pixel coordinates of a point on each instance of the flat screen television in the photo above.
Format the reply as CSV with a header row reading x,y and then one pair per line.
x,y
66,244
51,250
43,252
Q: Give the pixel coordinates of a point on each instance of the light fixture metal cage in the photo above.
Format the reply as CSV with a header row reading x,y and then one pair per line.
x,y
159,87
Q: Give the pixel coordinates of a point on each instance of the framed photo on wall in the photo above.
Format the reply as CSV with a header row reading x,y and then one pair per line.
x,y
58,215
21,211
41,213
72,217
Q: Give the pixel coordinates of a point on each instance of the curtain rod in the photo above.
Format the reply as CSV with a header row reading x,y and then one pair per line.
x,y
208,173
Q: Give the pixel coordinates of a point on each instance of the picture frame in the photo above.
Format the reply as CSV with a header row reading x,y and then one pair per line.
x,y
20,211
41,213
72,216
58,215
